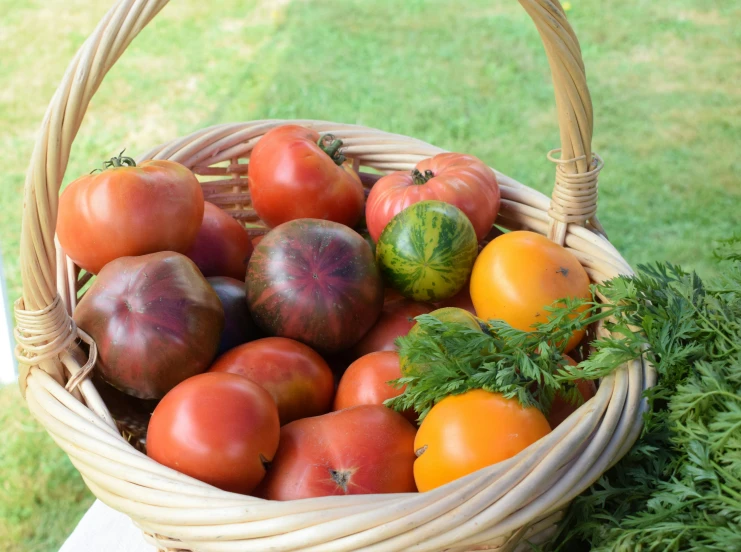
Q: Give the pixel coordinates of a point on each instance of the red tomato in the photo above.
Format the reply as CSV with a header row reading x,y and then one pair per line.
x,y
127,211
461,180
362,450
561,408
294,173
397,318
222,246
218,428
297,378
366,382
461,300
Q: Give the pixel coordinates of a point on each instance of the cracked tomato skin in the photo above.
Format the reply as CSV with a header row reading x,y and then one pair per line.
x,y
291,177
218,428
366,449
314,281
521,273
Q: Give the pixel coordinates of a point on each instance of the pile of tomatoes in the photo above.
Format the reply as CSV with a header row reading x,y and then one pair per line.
x,y
269,360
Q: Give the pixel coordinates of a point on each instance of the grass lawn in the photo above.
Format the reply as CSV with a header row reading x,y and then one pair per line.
x,y
667,123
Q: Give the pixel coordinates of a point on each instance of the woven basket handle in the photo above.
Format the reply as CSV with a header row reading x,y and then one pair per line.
x,y
574,196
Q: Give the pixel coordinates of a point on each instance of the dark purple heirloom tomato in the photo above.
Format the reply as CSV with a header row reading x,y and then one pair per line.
x,y
156,322
314,281
238,326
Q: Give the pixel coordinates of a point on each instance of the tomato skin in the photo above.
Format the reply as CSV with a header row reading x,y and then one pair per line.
x,y
519,274
291,177
461,300
129,211
396,319
156,322
454,441
362,450
298,379
314,281
238,324
366,382
461,180
561,408
427,251
218,428
222,246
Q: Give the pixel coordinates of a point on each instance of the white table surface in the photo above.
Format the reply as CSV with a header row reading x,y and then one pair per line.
x,y
104,529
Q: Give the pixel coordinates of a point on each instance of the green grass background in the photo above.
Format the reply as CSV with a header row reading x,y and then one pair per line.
x,y
469,77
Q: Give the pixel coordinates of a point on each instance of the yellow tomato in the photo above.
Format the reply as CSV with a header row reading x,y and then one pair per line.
x,y
464,433
519,274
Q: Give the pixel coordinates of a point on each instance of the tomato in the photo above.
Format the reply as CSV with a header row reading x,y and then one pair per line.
x,y
366,382
445,314
295,173
465,433
397,318
298,379
367,449
519,274
314,281
256,240
461,180
561,408
461,300
238,325
222,246
427,251
127,210
156,322
221,429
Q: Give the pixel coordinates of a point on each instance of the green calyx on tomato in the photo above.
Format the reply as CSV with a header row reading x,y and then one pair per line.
x,y
119,161
420,178
331,146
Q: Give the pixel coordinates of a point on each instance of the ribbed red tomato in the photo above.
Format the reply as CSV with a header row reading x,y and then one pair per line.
x,y
367,449
458,179
219,428
222,246
127,210
296,173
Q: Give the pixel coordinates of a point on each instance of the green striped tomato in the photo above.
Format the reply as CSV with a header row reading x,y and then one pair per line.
x,y
427,251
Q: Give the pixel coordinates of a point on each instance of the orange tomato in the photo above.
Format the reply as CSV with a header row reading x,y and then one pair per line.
x,y
561,408
465,433
519,274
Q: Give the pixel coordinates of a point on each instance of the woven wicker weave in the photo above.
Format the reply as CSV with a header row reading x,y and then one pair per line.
x,y
495,508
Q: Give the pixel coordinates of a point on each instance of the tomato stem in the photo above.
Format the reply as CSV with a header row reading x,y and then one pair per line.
x,y
119,161
420,178
331,146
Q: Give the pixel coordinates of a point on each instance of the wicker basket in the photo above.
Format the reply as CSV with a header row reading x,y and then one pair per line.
x,y
495,508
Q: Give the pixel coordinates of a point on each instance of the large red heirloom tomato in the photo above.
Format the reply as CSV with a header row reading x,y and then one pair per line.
x,y
295,173
222,246
219,428
155,319
314,281
127,210
455,178
362,450
297,378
